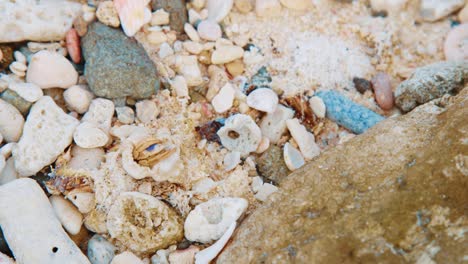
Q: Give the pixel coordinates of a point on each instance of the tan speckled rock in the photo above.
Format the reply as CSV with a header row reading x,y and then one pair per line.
x,y
143,223
408,196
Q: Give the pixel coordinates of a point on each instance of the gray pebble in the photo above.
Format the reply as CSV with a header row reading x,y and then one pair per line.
x,y
100,251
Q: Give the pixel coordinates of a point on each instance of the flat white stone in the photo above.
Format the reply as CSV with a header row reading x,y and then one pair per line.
x,y
210,220
11,122
292,157
47,132
318,106
223,101
25,209
51,70
263,99
273,125
225,54
78,98
88,135
67,214
28,91
304,139
218,10
36,20
191,32
146,111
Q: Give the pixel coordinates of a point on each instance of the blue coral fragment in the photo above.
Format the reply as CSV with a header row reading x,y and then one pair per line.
x,y
347,113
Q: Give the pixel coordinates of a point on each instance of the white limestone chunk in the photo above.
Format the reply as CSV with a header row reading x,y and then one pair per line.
x,y
211,219
25,209
47,132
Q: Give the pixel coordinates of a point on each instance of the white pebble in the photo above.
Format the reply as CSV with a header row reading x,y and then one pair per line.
x,y
88,135
318,106
8,173
193,47
11,122
18,68
146,111
265,191
28,91
165,50
240,133
218,10
292,157
224,54
19,57
263,99
257,182
223,101
188,67
126,257
84,201
191,32
51,70
209,220
231,160
157,37
179,85
263,146
100,112
125,114
78,98
304,139
193,16
267,8
159,17
209,30
68,215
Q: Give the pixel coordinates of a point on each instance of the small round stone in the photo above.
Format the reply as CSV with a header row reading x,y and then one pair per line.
x,y
292,157
78,98
318,106
67,214
125,114
209,30
100,251
107,14
263,99
88,135
146,111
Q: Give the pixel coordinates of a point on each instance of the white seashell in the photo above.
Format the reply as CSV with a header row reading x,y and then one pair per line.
x,y
318,106
67,214
210,220
208,254
28,91
223,101
218,10
292,157
304,139
263,99
231,160
240,133
133,15
130,165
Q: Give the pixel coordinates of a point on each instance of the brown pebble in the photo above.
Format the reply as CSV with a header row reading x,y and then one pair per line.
x,y
383,91
361,84
235,68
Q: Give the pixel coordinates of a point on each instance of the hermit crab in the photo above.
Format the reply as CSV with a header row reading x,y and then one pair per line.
x,y
150,151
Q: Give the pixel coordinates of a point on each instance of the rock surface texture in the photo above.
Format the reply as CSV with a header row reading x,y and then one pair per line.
x,y
116,65
405,204
431,82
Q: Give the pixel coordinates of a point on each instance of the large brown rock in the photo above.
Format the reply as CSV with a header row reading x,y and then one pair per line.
x,y
396,194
